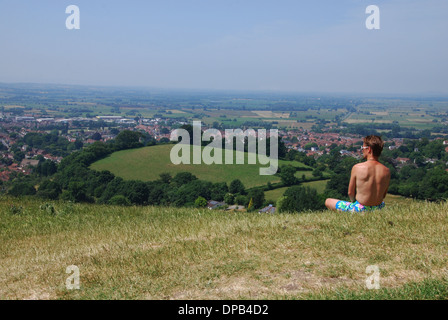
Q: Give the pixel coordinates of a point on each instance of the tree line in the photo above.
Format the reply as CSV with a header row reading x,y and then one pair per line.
x,y
73,180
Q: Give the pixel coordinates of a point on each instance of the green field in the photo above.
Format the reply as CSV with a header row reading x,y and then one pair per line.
x,y
180,253
409,114
148,163
277,193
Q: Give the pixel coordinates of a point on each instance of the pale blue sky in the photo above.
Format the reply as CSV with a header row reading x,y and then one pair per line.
x,y
302,46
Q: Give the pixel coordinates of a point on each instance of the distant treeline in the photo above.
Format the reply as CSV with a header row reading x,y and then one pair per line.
x,y
395,130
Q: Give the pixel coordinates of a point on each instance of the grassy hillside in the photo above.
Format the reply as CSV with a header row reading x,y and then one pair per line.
x,y
148,163
277,193
172,253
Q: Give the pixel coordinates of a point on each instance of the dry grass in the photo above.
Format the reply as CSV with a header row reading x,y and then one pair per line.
x,y
169,253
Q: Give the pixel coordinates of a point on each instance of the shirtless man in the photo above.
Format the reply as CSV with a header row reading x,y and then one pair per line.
x,y
369,181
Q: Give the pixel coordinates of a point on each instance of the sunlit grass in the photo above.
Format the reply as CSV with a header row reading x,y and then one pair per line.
x,y
148,163
176,253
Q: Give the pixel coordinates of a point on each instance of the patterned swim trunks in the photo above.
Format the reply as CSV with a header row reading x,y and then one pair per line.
x,y
356,206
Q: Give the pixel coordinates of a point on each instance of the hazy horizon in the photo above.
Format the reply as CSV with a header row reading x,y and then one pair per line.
x,y
306,47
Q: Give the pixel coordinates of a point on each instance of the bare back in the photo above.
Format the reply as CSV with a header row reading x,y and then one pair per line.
x,y
371,181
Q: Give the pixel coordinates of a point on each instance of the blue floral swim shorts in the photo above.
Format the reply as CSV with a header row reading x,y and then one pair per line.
x,y
356,206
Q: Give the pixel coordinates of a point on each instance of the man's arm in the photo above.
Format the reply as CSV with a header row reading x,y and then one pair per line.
x,y
352,185
387,181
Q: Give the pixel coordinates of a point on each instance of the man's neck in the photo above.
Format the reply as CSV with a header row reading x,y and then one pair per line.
x,y
372,159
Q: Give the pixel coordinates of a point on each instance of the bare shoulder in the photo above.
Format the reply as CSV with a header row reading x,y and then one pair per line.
x,y
386,170
359,166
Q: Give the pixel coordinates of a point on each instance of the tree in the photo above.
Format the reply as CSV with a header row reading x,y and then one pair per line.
x,y
19,156
291,155
158,193
96,136
188,193
136,191
257,197
183,178
298,199
200,202
287,175
310,145
434,185
241,200
128,139
317,173
219,191
22,189
237,187
49,190
46,168
337,186
165,177
229,199
250,206
76,192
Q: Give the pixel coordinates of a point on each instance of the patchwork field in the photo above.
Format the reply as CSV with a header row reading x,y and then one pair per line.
x,y
414,117
270,114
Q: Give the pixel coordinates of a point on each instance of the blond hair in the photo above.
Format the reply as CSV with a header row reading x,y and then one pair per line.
x,y
375,143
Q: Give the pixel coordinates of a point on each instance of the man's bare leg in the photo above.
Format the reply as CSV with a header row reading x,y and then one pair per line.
x,y
331,203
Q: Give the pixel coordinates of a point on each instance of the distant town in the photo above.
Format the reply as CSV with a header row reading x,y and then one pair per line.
x,y
82,131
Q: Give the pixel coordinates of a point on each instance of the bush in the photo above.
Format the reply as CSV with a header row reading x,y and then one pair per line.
x,y
22,189
267,202
241,200
229,199
76,192
200,202
49,190
119,200
298,199
279,204
188,193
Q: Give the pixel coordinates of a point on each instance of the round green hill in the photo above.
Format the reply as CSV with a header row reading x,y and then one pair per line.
x,y
148,163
